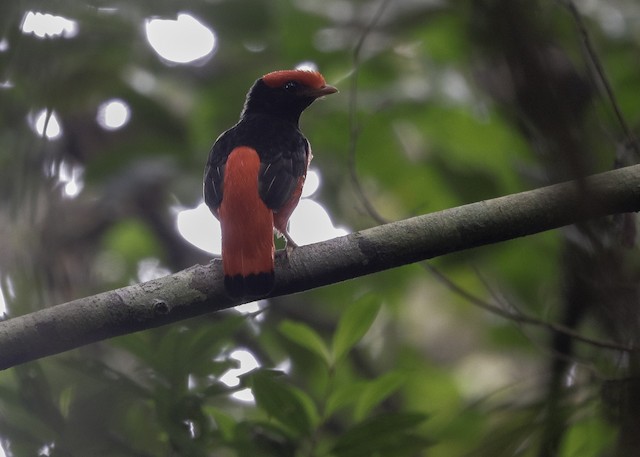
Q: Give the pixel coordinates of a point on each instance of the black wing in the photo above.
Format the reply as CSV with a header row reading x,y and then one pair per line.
x,y
284,156
280,173
214,171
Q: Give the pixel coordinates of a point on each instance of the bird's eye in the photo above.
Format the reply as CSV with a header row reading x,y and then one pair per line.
x,y
291,86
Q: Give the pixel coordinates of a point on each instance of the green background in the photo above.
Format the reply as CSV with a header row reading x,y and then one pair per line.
x,y
441,104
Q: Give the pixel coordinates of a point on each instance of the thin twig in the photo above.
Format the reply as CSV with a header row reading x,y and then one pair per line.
x,y
354,127
520,317
631,140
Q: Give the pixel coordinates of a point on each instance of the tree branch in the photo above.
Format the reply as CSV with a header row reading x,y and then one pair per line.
x,y
199,289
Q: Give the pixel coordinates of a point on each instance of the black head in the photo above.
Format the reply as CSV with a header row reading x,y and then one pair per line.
x,y
286,93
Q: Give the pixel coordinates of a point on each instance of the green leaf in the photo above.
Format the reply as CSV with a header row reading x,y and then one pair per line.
x,y
342,396
290,406
257,438
205,341
225,423
132,240
588,438
306,337
376,391
384,435
353,325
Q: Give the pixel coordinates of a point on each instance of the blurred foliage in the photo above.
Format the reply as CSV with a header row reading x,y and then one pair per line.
x,y
444,103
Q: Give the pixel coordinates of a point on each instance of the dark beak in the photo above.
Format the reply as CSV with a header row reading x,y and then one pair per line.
x,y
321,92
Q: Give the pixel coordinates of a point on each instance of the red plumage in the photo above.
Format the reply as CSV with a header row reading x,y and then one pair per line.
x,y
255,173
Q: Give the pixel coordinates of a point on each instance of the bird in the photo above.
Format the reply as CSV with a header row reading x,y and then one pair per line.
x,y
254,176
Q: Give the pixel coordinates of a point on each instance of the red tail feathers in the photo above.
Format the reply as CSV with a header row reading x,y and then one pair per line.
x,y
247,228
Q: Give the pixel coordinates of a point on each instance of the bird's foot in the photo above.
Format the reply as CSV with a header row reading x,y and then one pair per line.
x,y
291,245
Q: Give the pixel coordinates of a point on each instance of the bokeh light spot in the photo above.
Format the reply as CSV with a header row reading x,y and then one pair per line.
x,y
71,177
113,114
48,25
311,183
182,40
307,66
200,228
310,223
45,123
247,362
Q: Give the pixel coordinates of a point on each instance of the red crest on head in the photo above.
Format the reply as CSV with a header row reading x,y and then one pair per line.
x,y
309,78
